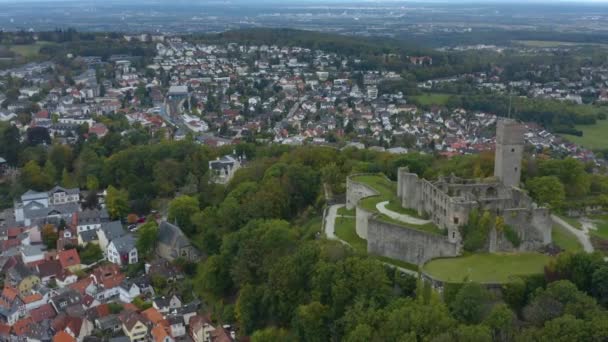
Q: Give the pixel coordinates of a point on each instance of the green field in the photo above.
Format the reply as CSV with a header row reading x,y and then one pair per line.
x,y
574,222
345,212
565,240
388,192
345,230
29,50
594,136
429,99
486,268
601,222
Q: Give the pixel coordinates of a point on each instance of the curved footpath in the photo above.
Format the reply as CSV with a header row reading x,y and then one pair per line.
x,y
400,217
583,236
330,232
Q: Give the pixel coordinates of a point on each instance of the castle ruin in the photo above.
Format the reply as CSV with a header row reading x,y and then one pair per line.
x,y
449,201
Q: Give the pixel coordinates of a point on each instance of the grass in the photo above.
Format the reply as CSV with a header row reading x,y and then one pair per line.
x,y
29,50
429,99
601,223
565,240
396,207
345,230
388,192
594,136
486,268
345,212
574,222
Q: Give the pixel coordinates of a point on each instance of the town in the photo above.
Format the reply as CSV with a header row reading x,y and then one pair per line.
x,y
74,269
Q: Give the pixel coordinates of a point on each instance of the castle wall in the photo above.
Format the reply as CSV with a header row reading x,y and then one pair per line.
x,y
361,221
356,191
406,244
533,226
408,189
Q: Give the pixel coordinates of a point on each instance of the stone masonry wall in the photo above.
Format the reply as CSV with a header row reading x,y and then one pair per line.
x,y
406,244
356,191
362,220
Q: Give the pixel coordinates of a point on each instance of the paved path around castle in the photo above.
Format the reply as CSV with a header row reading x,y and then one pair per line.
x,y
582,235
400,217
330,232
330,222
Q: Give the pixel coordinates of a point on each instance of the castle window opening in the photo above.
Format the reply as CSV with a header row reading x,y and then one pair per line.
x,y
456,220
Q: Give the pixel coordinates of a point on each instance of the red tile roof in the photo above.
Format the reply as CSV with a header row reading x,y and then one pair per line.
x,y
81,285
69,258
31,298
63,336
42,313
23,326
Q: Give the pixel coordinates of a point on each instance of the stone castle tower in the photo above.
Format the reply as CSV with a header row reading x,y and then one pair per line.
x,y
509,151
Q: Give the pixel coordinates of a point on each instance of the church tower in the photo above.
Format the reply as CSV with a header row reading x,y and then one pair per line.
x,y
509,151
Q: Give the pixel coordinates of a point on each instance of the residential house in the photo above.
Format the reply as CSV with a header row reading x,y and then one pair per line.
x,y
133,288
122,250
90,219
88,236
176,326
134,327
63,336
109,231
32,254
69,259
160,334
11,305
65,299
22,278
108,279
44,312
166,304
173,243
223,169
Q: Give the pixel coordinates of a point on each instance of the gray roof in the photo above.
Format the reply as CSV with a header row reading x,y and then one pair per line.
x,y
88,235
74,191
33,211
170,234
2,160
33,195
112,230
93,216
30,250
124,244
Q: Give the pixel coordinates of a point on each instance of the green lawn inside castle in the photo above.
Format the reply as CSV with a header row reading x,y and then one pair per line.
x,y
454,229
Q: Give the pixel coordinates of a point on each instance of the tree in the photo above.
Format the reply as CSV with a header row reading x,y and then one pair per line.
x,y
547,190
311,322
32,177
247,307
67,180
470,304
50,236
500,321
117,202
599,285
50,172
147,235
472,333
271,335
181,211
91,253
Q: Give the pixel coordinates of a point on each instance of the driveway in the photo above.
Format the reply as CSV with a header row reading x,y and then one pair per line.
x,y
581,235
